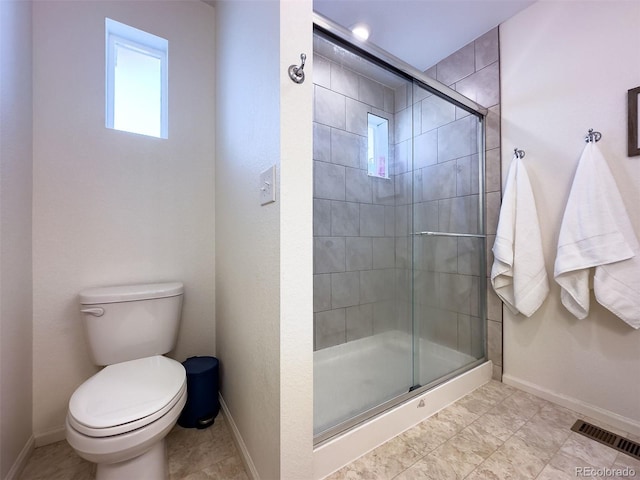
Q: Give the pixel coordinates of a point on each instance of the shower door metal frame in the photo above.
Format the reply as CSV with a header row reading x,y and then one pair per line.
x,y
385,59
374,54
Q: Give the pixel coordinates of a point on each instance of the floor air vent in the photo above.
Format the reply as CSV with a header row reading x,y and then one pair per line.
x,y
605,437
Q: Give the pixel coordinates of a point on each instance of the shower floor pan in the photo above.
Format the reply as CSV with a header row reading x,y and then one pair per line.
x,y
357,376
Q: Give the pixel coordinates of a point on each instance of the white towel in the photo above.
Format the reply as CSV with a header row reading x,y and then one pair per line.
x,y
518,274
596,232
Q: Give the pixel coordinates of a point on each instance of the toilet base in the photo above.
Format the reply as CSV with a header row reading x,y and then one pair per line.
x,y
151,465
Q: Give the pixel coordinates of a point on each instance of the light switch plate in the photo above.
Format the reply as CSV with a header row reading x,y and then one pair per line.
x,y
268,186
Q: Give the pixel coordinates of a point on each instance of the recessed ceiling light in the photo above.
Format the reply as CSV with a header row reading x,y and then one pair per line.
x,y
361,31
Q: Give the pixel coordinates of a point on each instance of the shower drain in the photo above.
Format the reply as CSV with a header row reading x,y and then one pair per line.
x,y
608,438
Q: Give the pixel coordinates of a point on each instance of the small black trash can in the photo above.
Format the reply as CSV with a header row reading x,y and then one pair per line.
x,y
202,393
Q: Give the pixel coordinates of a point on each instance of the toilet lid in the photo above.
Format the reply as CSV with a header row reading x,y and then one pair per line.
x,y
126,392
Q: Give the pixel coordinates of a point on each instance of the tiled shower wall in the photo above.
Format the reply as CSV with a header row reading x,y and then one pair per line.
x,y
355,274
362,248
474,71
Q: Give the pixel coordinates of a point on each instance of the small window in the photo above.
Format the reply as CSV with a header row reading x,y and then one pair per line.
x,y
378,146
136,80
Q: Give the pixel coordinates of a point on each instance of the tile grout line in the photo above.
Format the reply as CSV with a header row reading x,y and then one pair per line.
x,y
457,433
505,441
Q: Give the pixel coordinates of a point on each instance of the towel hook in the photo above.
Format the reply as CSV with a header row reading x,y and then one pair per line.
x,y
297,73
592,136
518,153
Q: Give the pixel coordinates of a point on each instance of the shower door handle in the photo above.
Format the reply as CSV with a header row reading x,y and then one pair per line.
x,y
446,234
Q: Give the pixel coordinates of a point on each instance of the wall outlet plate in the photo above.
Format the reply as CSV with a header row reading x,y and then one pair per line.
x,y
268,186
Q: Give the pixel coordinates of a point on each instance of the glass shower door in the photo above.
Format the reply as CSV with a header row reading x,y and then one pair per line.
x,y
449,278
399,245
363,342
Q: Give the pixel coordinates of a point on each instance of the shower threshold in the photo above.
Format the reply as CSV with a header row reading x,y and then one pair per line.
x,y
342,449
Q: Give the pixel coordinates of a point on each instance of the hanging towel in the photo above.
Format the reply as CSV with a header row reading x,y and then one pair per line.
x,y
518,274
596,232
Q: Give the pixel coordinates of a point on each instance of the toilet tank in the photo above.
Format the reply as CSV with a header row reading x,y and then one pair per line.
x,y
131,321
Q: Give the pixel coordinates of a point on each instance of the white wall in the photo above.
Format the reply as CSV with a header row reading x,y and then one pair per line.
x,y
15,232
111,207
566,67
248,235
296,244
263,253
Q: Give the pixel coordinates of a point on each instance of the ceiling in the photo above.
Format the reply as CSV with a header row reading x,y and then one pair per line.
x,y
421,32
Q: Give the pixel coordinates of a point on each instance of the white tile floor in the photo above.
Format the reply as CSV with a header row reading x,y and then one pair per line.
x,y
495,433
207,454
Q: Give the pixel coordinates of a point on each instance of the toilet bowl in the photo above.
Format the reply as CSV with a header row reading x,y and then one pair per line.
x,y
119,417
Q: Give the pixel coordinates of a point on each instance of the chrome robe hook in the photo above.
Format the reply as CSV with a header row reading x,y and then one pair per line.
x,y
297,73
592,136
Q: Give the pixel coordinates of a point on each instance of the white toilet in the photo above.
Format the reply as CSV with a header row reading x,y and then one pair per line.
x,y
120,417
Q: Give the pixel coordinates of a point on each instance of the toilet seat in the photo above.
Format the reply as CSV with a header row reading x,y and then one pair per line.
x,y
126,396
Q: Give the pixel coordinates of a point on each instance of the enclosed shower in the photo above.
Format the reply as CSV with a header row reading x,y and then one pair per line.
x,y
398,225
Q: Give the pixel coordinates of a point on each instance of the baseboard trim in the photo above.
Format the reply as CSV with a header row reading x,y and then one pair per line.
x,y
237,438
623,423
21,462
50,436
